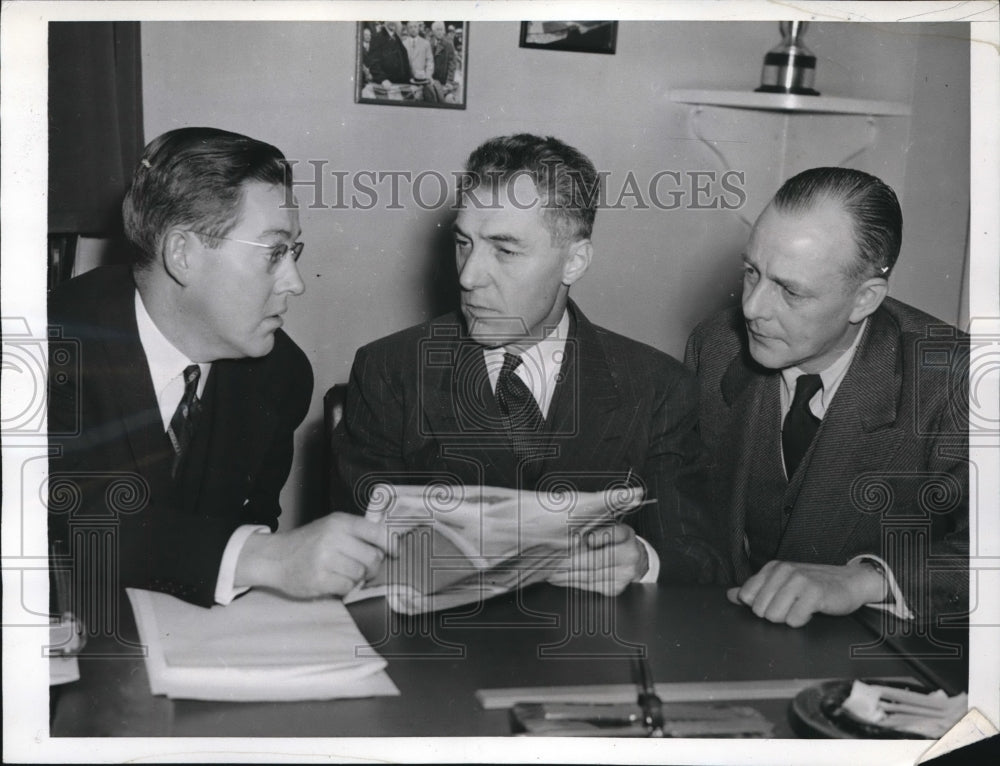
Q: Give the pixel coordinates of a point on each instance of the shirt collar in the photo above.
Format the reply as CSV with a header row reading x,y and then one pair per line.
x,y
832,377
540,366
166,362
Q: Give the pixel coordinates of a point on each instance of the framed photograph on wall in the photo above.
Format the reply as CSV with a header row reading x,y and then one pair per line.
x,y
412,63
580,36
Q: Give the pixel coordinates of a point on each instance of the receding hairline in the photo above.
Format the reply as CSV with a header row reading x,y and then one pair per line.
x,y
560,224
832,204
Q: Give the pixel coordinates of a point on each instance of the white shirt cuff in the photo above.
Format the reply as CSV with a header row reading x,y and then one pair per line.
x,y
654,563
225,589
897,605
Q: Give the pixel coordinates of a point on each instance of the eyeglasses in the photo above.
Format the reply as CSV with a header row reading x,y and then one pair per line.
x,y
274,258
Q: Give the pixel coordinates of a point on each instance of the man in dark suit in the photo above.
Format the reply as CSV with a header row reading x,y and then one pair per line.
x,y
836,416
389,60
445,61
520,390
173,429
366,54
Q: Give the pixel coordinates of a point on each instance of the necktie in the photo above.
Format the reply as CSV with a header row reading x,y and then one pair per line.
x,y
185,417
521,416
800,424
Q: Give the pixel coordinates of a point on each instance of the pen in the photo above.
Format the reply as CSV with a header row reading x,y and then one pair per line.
x,y
649,702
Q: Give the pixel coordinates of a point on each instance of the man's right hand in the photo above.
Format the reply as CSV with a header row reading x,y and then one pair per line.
x,y
328,556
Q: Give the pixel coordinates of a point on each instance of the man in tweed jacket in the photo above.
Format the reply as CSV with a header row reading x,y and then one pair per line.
x,y
873,510
426,403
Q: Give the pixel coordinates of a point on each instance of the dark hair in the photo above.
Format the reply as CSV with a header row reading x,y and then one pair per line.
x,y
565,178
869,201
195,177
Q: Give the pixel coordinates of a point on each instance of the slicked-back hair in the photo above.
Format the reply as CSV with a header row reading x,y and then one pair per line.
x,y
195,177
565,178
870,203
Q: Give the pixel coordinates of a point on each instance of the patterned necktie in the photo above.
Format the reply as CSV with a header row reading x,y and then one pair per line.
x,y
185,418
800,424
521,416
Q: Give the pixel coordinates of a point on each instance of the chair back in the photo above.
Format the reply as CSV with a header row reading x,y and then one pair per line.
x,y
337,493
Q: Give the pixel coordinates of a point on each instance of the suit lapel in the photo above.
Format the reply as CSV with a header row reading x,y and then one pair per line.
x,y
754,395
138,411
582,412
211,422
233,414
855,438
458,406
458,402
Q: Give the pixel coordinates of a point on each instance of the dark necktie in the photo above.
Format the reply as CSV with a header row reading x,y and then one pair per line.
x,y
800,424
521,416
185,418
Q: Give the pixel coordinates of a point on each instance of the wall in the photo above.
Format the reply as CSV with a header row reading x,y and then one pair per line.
x,y
657,272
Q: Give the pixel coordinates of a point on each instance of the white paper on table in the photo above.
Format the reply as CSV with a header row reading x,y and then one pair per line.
x,y
63,670
64,636
261,647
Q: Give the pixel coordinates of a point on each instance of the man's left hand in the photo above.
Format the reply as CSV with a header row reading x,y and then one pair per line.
x,y
608,559
790,592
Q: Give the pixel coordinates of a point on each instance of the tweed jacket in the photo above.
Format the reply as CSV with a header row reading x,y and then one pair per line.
x,y
887,473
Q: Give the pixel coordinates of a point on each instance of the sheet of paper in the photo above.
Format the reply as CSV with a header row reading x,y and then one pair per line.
x,y
261,647
63,670
462,544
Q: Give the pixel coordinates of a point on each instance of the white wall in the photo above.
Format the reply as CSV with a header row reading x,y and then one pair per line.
x,y
657,272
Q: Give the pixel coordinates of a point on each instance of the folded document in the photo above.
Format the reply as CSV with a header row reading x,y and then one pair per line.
x,y
461,544
261,647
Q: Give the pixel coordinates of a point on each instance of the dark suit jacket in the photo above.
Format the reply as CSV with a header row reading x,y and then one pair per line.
x,y
444,60
887,471
420,408
113,453
389,60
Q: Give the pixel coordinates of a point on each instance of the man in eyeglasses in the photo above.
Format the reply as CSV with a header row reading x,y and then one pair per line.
x,y
174,423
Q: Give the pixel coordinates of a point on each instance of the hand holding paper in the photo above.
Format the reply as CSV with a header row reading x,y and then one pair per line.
x,y
605,560
461,544
328,556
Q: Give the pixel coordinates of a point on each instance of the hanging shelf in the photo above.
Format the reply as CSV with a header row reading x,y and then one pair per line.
x,y
788,102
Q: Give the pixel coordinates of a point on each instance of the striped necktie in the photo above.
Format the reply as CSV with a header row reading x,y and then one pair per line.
x,y
521,415
185,418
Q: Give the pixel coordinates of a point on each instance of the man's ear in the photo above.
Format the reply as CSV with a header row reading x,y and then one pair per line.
x,y
577,261
868,296
176,255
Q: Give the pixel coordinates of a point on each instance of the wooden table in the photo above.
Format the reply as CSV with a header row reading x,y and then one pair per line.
x,y
542,636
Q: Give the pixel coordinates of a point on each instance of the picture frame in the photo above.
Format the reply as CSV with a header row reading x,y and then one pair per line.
x,y
577,36
388,70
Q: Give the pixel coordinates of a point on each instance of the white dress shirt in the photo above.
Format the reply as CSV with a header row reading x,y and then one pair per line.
x,y
166,368
832,377
539,370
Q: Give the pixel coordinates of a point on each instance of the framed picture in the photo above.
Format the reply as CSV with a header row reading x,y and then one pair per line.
x,y
581,36
412,63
